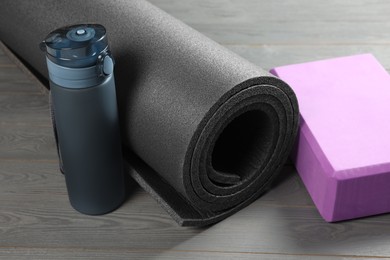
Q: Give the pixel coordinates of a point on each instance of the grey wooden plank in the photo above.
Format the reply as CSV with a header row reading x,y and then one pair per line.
x,y
43,220
21,73
141,225
254,12
243,255
4,60
287,190
12,78
286,22
24,109
17,87
23,178
294,230
269,56
23,142
13,74
298,33
87,253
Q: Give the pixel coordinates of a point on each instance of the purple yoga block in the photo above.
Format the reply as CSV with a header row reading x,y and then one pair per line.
x,y
342,151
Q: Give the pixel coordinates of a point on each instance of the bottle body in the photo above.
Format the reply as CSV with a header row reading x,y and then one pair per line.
x,y
89,143
85,116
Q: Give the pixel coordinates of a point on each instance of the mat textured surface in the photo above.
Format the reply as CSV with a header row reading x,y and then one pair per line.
x,y
206,131
342,152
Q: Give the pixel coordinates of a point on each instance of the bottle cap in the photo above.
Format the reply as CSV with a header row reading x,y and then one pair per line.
x,y
76,46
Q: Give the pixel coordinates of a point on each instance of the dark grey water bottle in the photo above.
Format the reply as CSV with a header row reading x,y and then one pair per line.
x,y
86,118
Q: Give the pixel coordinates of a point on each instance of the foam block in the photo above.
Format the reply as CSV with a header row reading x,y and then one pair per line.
x,y
343,146
206,131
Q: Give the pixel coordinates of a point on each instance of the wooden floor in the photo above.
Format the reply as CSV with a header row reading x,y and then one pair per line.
x,y
37,222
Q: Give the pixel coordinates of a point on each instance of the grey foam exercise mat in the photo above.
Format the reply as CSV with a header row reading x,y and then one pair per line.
x,y
206,131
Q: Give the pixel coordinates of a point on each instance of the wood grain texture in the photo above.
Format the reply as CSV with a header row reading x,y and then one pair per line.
x,y
12,74
29,109
285,22
247,11
37,221
270,56
64,253
10,60
27,142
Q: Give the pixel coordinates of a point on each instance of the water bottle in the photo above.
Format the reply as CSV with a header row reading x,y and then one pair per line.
x,y
84,105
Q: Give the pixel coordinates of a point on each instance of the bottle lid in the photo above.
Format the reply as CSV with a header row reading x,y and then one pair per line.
x,y
76,46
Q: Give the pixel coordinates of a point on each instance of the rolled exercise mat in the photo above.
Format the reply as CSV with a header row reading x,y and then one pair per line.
x,y
342,152
206,130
